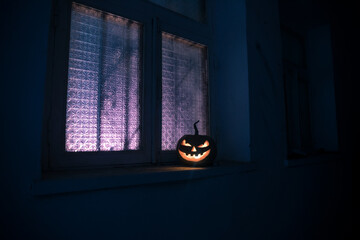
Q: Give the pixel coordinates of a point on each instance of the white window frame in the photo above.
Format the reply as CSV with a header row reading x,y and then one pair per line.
x,y
154,20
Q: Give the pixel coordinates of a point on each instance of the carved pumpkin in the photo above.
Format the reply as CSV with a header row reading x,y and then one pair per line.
x,y
196,150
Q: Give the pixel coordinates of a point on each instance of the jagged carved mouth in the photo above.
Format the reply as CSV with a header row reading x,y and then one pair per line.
x,y
194,157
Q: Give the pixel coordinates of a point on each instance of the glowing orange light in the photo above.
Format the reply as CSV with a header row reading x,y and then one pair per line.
x,y
205,144
184,143
194,157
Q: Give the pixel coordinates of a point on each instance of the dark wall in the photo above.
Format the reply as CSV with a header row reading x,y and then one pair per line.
x,y
273,202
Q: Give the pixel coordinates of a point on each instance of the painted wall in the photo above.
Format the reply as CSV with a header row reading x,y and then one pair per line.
x,y
272,202
321,77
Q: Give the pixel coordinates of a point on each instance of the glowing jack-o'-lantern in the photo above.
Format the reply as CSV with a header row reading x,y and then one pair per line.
x,y
196,150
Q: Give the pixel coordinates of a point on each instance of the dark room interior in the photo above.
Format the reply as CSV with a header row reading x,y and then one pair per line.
x,y
271,82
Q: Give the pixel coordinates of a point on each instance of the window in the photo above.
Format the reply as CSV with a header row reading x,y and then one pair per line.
x,y
309,92
104,80
124,84
184,89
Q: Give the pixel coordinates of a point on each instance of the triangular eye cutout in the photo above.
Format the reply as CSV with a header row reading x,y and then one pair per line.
x,y
205,144
184,143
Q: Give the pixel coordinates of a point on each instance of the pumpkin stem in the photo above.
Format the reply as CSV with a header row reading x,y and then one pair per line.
x,y
196,130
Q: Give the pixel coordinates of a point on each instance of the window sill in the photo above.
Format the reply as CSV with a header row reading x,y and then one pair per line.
x,y
90,180
312,159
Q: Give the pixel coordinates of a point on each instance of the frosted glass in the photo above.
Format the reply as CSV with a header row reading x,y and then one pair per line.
x,y
184,89
104,82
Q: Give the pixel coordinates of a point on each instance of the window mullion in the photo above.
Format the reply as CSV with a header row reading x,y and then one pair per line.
x,y
156,90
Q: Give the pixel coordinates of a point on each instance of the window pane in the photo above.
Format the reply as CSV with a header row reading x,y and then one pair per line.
x,y
104,82
184,89
194,9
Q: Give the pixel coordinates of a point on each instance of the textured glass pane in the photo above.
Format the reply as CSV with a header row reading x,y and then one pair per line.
x,y
184,89
103,96
194,9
